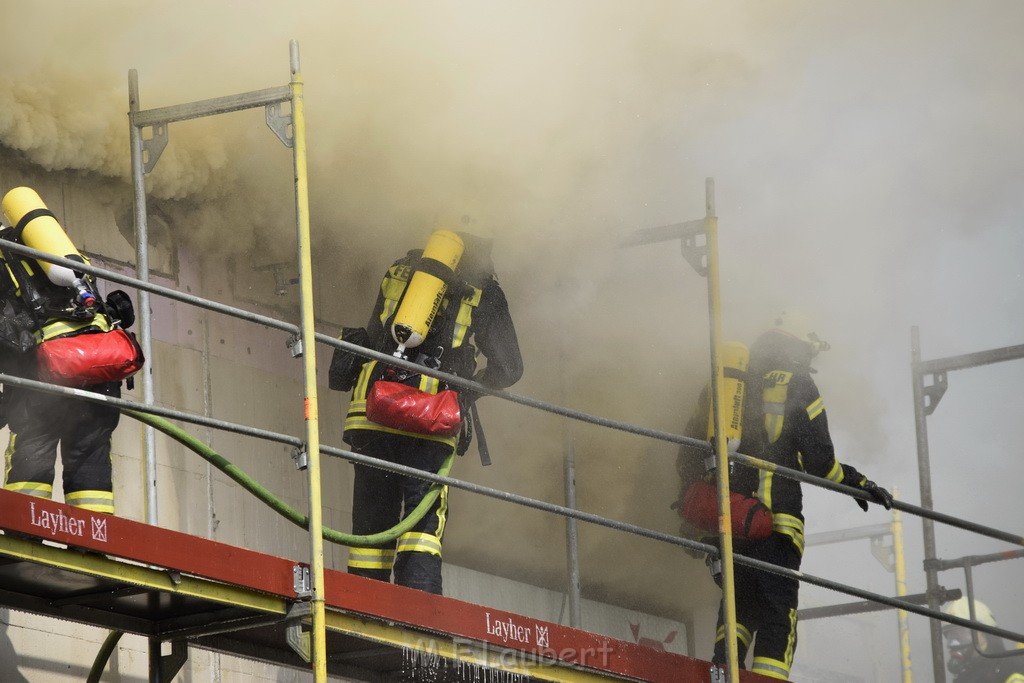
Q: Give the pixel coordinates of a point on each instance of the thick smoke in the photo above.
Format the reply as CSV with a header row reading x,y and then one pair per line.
x,y
867,161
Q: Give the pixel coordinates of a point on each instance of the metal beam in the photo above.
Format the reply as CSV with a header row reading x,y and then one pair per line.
x,y
210,107
843,535
864,606
970,360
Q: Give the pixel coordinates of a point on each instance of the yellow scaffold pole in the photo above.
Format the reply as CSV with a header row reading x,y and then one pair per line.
x,y
721,447
695,254
901,590
312,416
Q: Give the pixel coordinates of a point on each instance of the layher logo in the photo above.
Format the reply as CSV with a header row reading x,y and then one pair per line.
x,y
533,640
508,630
72,525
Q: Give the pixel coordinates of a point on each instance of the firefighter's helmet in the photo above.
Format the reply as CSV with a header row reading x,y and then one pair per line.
x,y
798,325
960,608
960,646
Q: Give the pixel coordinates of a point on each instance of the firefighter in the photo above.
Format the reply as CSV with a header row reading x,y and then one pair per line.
x,y
473,316
36,310
784,422
990,661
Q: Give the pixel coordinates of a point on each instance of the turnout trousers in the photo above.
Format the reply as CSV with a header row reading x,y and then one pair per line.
x,y
766,607
381,499
39,422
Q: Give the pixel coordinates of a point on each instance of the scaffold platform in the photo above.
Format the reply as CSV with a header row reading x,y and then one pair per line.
x,y
171,587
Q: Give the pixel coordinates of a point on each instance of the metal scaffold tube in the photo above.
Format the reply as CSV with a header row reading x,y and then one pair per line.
x,y
721,447
139,168
926,399
704,259
144,155
311,407
900,569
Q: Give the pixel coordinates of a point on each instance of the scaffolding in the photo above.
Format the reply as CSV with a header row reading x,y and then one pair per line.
x,y
930,382
301,615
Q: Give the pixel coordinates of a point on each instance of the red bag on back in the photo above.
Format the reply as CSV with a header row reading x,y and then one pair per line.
x,y
751,519
87,359
409,409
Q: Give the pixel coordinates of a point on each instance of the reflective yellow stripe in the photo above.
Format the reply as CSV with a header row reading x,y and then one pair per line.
x,y
814,410
32,488
371,558
362,383
773,425
442,512
360,421
7,455
419,542
97,501
772,668
392,287
790,526
764,488
773,397
836,473
742,634
429,384
54,328
783,520
465,317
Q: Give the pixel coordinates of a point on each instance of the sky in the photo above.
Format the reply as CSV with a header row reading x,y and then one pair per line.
x,y
867,164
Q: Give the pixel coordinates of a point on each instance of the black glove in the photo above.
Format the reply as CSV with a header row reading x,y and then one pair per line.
x,y
877,493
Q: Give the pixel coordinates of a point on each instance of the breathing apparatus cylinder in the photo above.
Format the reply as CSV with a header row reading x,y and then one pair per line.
x,y
426,289
735,359
37,227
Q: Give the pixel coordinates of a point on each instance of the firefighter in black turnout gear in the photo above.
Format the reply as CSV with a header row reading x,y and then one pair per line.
x,y
988,662
784,422
472,317
36,310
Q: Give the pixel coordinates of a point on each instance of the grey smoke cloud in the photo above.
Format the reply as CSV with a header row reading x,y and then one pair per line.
x,y
867,159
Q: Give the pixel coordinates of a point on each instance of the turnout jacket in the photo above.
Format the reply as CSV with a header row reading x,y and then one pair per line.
x,y
785,423
473,319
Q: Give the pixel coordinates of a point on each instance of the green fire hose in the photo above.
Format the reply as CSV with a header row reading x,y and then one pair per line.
x,y
275,503
278,505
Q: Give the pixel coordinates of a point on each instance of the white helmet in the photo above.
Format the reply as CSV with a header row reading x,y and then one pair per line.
x,y
797,324
959,640
960,608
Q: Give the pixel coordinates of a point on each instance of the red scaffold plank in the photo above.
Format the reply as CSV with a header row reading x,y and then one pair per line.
x,y
384,602
131,540
545,640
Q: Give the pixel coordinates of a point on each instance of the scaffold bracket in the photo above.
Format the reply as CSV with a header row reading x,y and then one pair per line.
x,y
301,457
884,553
932,393
281,124
170,664
294,344
300,575
692,234
695,248
153,147
296,635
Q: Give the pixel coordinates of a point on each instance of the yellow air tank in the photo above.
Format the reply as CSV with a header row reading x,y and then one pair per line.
x,y
42,231
425,291
735,359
